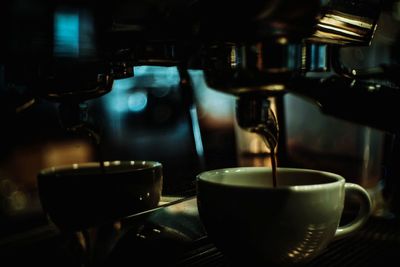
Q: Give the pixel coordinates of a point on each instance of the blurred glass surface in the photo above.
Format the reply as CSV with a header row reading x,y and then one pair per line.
x,y
146,117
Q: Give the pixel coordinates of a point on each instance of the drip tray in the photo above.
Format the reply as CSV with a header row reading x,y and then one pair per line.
x,y
172,235
376,244
175,234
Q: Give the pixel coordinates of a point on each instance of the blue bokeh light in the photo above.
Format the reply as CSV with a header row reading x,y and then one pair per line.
x,y
137,101
66,34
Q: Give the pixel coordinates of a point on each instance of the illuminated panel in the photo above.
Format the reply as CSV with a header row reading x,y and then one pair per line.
x,y
66,33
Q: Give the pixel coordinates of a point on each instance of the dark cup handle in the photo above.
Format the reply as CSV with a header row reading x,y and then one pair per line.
x,y
363,213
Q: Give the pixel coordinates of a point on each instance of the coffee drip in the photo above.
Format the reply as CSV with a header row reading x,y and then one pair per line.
x,y
255,115
271,140
274,163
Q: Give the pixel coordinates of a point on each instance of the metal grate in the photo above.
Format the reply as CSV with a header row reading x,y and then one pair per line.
x,y
377,244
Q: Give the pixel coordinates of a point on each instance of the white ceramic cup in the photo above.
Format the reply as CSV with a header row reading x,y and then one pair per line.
x,y
252,222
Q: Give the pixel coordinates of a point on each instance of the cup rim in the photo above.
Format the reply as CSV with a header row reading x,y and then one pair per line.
x,y
206,175
147,165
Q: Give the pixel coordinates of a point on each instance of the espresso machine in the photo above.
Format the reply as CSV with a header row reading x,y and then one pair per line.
x,y
62,59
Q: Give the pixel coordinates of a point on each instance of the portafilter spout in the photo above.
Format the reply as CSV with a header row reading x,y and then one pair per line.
x,y
254,114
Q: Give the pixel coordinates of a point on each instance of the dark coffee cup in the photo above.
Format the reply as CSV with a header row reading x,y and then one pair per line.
x,y
84,195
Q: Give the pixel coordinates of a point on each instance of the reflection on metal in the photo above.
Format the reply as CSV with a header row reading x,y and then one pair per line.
x,y
196,132
342,28
315,57
25,106
260,67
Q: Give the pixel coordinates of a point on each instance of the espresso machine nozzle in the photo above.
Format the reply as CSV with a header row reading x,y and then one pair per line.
x,y
254,114
260,70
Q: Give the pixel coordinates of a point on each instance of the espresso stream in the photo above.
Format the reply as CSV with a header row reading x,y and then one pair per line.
x,y
270,139
273,161
270,142
274,166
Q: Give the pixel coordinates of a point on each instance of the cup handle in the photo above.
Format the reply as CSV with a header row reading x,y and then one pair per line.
x,y
363,213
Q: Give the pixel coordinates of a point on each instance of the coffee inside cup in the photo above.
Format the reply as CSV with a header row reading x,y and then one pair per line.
x,y
263,177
